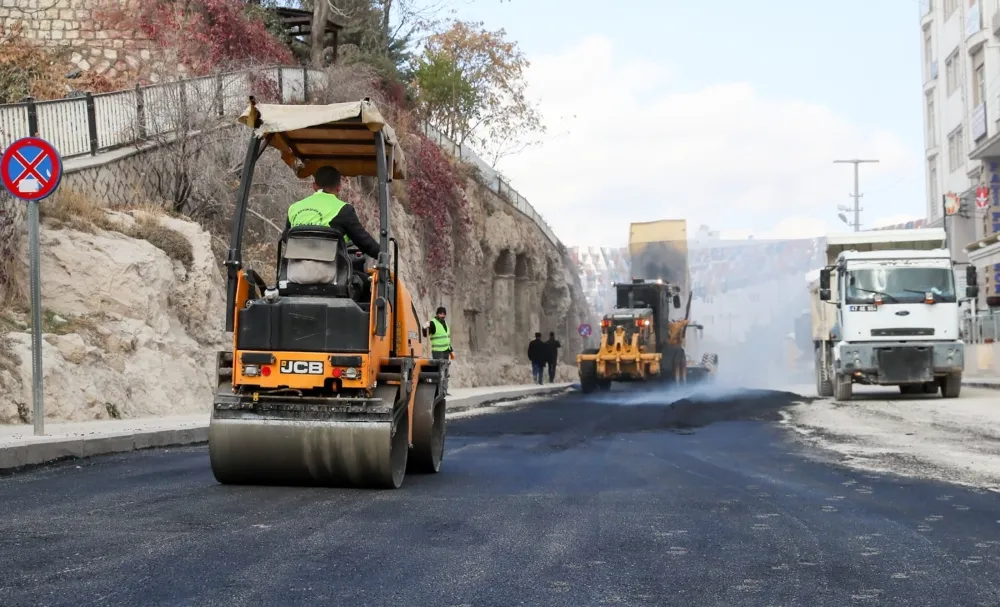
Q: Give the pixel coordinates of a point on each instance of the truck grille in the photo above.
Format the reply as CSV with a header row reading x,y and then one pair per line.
x,y
903,332
905,364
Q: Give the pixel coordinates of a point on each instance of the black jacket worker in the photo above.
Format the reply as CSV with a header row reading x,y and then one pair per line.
x,y
553,346
538,354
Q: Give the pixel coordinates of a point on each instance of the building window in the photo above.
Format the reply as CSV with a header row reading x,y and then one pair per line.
x,y
952,65
979,81
950,6
956,150
932,188
928,53
931,125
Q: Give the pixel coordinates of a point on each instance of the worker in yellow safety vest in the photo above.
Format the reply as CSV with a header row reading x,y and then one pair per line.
x,y
325,208
440,334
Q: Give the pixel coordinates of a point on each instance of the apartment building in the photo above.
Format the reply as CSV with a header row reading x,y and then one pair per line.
x,y
961,87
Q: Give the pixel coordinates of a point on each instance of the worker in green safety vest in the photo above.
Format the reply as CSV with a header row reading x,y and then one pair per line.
x,y
440,335
324,208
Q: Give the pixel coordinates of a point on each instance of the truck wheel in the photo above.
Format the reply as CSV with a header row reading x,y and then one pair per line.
x,y
911,388
951,385
824,387
930,387
842,387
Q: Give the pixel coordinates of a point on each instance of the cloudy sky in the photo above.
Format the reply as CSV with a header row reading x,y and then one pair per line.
x,y
727,113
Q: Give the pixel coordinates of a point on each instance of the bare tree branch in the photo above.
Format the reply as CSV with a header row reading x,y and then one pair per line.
x,y
265,220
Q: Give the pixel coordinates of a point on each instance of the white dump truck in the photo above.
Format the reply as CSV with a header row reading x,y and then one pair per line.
x,y
885,311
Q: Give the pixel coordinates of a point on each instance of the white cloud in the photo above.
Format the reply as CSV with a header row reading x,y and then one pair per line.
x,y
625,147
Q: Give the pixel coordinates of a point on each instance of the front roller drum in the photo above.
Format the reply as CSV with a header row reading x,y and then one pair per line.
x,y
588,373
429,429
249,448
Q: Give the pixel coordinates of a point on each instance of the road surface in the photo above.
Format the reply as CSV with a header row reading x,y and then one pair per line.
x,y
609,500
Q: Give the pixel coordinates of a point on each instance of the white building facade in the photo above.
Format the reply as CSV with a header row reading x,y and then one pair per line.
x,y
960,45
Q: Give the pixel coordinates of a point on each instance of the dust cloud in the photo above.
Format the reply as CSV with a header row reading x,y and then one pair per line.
x,y
750,295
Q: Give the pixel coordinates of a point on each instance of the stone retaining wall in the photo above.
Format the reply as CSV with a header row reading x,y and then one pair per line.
x,y
75,26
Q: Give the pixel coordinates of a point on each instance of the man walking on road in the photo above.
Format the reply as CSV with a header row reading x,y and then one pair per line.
x,y
553,346
538,354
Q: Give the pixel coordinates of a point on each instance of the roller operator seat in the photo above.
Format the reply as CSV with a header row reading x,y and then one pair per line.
x,y
315,261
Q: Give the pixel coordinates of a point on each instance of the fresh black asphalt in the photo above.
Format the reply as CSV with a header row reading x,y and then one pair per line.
x,y
571,501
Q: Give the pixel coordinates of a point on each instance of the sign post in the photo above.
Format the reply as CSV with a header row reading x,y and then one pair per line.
x,y
31,170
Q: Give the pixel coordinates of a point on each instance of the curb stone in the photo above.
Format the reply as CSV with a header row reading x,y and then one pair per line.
x,y
17,457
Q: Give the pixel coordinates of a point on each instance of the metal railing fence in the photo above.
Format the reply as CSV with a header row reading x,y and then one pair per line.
x,y
87,124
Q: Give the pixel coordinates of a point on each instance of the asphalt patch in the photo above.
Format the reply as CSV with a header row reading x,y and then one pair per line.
x,y
595,417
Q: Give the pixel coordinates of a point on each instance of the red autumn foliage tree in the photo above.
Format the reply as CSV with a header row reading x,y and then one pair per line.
x,y
435,195
205,36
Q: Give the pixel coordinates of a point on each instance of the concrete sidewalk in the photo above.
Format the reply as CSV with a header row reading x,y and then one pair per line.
x,y
62,440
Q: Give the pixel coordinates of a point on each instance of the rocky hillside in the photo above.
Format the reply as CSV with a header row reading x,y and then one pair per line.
x,y
132,302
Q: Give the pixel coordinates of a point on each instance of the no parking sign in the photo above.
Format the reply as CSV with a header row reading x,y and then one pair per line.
x,y
31,169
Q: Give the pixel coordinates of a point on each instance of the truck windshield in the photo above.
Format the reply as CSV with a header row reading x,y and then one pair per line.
x,y
900,285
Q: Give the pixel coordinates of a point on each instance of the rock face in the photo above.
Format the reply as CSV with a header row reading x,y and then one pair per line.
x,y
510,282
128,331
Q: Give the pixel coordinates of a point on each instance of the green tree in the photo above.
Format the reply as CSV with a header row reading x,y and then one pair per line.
x,y
447,98
470,83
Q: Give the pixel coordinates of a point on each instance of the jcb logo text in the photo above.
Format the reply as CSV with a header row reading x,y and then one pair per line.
x,y
302,367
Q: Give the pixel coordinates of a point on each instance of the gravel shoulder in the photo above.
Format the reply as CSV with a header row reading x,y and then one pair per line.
x,y
953,440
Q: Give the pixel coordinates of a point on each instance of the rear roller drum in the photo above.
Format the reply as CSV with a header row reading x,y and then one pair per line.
x,y
429,429
258,449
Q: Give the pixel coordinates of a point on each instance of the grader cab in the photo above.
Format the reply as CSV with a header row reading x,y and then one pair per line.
x,y
636,344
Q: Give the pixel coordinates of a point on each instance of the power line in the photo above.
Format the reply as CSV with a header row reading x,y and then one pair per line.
x,y
857,192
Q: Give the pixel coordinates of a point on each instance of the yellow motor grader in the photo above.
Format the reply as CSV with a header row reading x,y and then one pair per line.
x,y
639,342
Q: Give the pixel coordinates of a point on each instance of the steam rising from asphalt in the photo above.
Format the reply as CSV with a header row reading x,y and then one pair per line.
x,y
751,297
639,394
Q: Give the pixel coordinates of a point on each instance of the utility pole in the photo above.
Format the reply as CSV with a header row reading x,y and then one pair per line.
x,y
857,193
